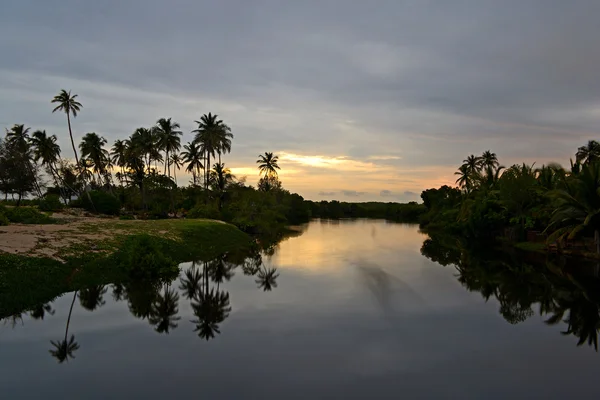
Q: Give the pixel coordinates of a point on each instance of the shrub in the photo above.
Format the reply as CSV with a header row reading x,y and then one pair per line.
x,y
3,219
204,211
103,203
143,257
51,202
27,215
127,217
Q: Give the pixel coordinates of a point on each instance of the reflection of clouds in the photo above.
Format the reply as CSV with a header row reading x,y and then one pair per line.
x,y
386,287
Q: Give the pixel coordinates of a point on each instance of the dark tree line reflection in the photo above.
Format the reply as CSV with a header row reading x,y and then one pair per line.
x,y
157,301
565,292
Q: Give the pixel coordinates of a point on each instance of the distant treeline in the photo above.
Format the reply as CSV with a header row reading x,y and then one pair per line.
x,y
407,212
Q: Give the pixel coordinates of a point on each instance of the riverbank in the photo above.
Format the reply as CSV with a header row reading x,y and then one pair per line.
x,y
103,236
45,261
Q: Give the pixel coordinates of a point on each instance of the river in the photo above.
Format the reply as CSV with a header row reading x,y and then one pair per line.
x,y
346,309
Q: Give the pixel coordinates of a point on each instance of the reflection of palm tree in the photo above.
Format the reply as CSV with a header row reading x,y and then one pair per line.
x,y
64,349
267,279
91,298
118,291
220,270
190,283
40,310
210,308
164,311
140,297
14,319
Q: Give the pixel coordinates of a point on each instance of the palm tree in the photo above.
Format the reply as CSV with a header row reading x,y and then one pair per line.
x,y
177,162
65,348
267,279
47,150
168,139
164,311
473,164
118,154
191,281
589,153
578,206
18,140
68,105
92,149
92,298
268,164
193,158
210,308
40,311
465,178
488,159
213,137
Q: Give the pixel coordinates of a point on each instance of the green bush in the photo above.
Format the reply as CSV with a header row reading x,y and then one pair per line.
x,y
51,202
103,203
126,217
3,219
27,215
209,211
143,257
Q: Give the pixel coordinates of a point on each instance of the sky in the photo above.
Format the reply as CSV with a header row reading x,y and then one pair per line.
x,y
362,100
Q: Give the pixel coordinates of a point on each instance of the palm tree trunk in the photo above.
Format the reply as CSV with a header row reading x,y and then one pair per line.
x,y
166,162
71,135
207,169
69,318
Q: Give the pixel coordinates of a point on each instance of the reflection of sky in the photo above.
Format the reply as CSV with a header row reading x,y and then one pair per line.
x,y
351,318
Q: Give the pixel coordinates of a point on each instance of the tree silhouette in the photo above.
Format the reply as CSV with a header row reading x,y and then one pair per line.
x,y
92,298
268,164
266,279
164,311
40,311
64,349
68,104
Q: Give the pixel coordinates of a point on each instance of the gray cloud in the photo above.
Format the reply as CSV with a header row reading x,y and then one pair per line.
x,y
429,82
327,194
351,193
411,194
386,193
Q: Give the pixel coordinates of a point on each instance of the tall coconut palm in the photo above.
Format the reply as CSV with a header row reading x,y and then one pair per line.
x,y
210,137
221,177
92,298
193,158
117,154
473,164
465,178
19,141
488,159
46,150
64,349
177,161
268,164
168,139
92,149
225,141
589,153
143,144
68,104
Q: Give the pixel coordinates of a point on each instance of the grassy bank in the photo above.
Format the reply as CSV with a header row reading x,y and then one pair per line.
x,y
121,250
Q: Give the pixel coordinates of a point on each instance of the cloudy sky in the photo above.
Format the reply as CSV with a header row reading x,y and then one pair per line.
x,y
362,100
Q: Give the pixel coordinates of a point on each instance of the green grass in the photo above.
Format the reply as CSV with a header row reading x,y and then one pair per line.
x,y
144,248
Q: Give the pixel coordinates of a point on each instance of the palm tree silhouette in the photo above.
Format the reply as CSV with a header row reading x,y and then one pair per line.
x,y
18,139
177,162
268,164
164,311
64,349
191,282
168,139
266,279
68,104
193,157
92,150
488,159
589,153
210,308
578,205
473,164
118,154
47,150
213,137
92,298
40,311
465,178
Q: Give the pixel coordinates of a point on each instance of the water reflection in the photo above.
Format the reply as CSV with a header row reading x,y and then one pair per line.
x,y
157,301
565,291
65,349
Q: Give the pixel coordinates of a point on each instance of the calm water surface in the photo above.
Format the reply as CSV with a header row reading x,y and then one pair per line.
x,y
353,310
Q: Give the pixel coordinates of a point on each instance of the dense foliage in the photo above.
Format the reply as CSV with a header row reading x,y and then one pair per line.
x,y
409,212
557,204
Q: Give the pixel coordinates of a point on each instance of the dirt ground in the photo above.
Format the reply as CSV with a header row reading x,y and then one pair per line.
x,y
48,240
